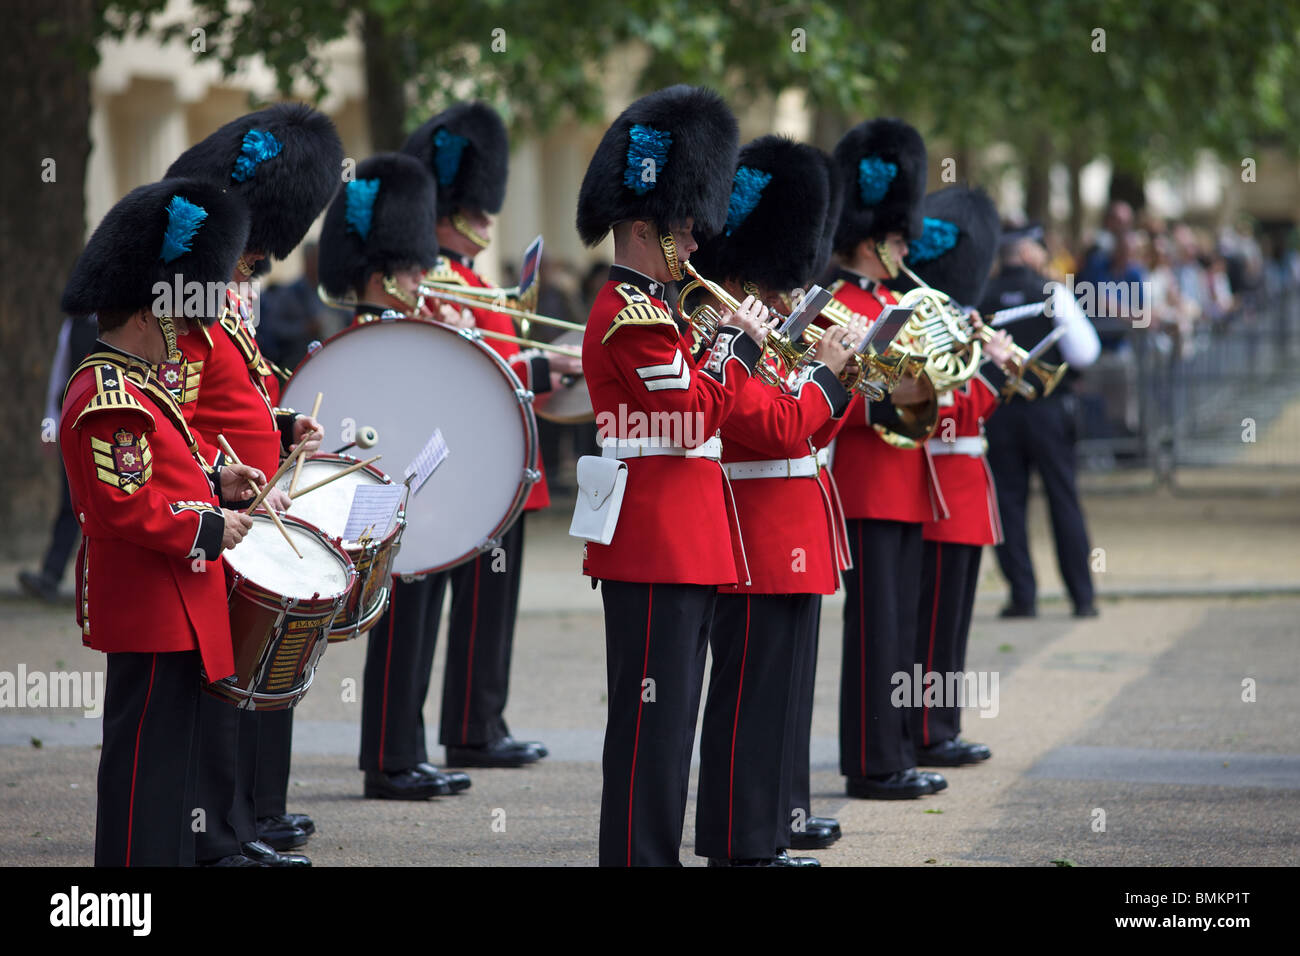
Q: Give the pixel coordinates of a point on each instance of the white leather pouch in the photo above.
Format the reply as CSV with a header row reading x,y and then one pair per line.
x,y
601,483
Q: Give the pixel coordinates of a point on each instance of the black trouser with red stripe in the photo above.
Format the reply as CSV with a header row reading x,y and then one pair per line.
x,y
741,813
949,574
146,782
796,781
399,659
480,640
656,636
880,599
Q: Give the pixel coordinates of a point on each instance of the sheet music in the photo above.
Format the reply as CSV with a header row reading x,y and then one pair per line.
x,y
433,454
374,507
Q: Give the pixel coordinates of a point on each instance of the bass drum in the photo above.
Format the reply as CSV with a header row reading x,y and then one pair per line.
x,y
569,404
405,378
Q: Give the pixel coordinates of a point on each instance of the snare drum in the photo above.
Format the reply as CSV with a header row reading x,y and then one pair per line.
x,y
281,608
327,508
405,378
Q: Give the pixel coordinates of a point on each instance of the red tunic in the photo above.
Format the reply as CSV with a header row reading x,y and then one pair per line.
x,y
529,367
147,511
966,480
876,479
788,525
223,390
675,525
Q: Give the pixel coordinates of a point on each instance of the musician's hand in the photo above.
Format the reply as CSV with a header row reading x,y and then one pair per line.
x,y
304,426
565,364
237,525
909,391
835,348
234,481
457,319
752,318
998,348
277,500
976,320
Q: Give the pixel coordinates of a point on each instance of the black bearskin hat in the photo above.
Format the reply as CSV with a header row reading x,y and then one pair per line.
x,y
958,242
776,218
177,227
284,161
669,156
466,150
833,208
882,164
384,220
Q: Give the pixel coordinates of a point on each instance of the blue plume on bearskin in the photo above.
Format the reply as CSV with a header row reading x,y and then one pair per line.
x,y
383,221
183,220
699,138
466,150
780,241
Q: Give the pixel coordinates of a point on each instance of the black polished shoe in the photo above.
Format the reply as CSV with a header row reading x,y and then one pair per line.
x,y
37,585
263,854
279,834
954,752
459,782
813,837
237,859
408,784
937,780
303,822
1087,610
1018,610
781,859
830,822
900,785
503,752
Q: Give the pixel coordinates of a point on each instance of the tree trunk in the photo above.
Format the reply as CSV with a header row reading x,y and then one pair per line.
x,y
385,92
1074,163
46,114
1038,182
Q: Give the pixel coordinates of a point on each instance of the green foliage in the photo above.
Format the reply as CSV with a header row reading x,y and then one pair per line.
x,y
1173,78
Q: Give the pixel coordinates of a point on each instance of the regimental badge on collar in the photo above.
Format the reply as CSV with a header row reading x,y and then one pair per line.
x,y
181,379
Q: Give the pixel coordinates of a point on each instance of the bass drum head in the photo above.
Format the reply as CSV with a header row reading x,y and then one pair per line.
x,y
570,405
405,379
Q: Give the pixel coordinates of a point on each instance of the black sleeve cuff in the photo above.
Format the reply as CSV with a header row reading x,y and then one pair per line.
x,y
883,413
994,376
539,369
216,489
745,349
212,526
837,396
284,419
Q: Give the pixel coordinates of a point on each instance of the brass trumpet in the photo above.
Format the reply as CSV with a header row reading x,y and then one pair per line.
x,y
705,320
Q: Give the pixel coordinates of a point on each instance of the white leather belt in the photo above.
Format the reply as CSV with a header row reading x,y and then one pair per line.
x,y
805,467
973,445
649,447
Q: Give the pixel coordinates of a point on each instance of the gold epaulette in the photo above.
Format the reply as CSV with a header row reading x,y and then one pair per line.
x,y
638,311
111,394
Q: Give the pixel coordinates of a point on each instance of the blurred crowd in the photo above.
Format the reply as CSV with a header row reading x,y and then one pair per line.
x,y
1187,277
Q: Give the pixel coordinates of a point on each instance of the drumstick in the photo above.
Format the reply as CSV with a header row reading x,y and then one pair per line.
x,y
279,472
336,476
297,468
230,453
